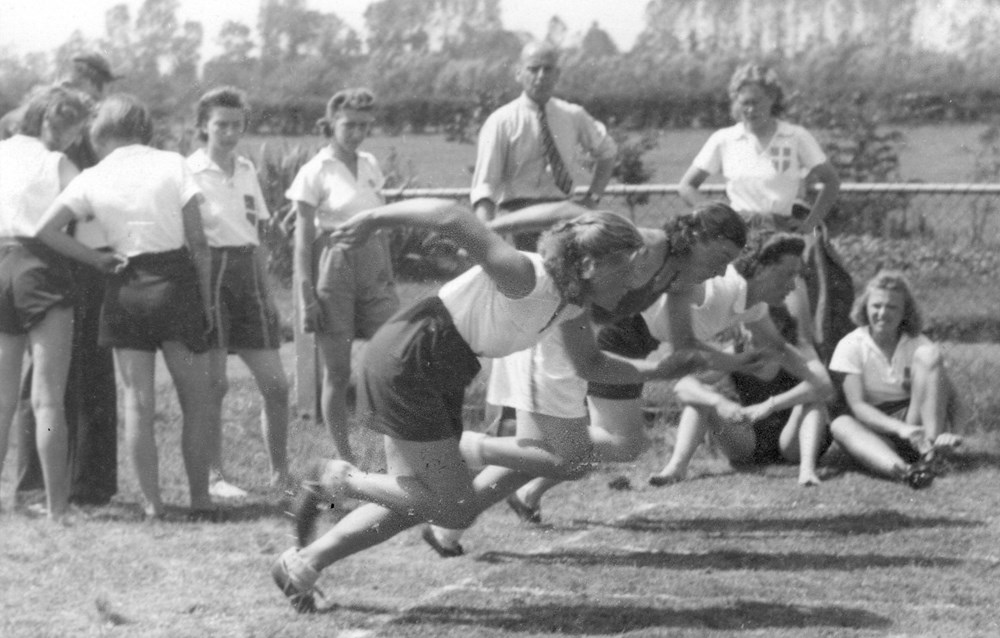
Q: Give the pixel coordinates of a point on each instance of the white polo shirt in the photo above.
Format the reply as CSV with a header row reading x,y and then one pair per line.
x,y
326,183
136,194
29,183
881,378
761,180
723,306
495,325
234,205
510,163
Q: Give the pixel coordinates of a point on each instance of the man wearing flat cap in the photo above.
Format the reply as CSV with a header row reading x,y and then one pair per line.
x,y
91,401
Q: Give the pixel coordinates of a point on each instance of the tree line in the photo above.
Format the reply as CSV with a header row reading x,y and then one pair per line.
x,y
443,64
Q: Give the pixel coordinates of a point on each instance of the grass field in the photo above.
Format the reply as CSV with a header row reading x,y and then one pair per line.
x,y
725,553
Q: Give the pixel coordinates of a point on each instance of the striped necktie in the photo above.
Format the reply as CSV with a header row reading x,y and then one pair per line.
x,y
552,156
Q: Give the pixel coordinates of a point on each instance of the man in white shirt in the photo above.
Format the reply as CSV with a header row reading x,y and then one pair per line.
x,y
529,148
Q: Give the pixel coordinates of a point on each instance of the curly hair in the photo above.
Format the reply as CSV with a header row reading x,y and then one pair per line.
x,y
763,76
912,323
567,246
767,247
714,220
122,116
58,104
358,99
227,97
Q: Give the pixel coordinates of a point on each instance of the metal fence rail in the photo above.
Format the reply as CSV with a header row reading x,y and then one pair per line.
x,y
950,213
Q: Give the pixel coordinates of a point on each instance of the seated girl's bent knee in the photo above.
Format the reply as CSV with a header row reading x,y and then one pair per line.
x,y
928,356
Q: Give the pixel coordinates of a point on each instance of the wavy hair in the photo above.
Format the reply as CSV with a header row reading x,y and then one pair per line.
x,y
714,220
59,105
912,323
595,235
357,99
763,76
227,97
767,247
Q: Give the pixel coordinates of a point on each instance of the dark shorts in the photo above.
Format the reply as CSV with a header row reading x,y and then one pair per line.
x,y
628,337
767,432
355,287
414,373
244,320
898,410
155,300
33,280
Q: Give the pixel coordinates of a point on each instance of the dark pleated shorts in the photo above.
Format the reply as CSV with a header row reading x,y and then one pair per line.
x,y
628,337
156,299
243,318
33,279
414,373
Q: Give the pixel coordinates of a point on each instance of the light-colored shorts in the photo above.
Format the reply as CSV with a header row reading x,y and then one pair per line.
x,y
540,379
355,287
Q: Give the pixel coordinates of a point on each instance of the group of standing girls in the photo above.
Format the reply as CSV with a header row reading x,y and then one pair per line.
x,y
183,276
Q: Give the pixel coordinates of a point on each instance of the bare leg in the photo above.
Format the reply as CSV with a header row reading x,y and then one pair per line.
x,y
191,379
11,358
336,357
867,447
544,446
929,395
426,481
217,389
265,365
136,370
801,439
691,430
51,344
618,429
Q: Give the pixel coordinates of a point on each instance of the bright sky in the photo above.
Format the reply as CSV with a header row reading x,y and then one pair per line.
x,y
42,25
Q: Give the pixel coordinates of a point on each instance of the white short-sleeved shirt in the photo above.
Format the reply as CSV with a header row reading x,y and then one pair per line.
x,y
136,194
326,183
495,325
234,205
29,183
510,162
723,306
881,378
761,180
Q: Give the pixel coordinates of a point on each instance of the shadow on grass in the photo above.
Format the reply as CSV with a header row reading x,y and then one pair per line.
x,y
875,522
723,559
594,619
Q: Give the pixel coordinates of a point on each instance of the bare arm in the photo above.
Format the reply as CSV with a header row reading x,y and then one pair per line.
x,y
194,237
302,262
826,175
692,179
602,175
50,232
512,271
874,418
535,218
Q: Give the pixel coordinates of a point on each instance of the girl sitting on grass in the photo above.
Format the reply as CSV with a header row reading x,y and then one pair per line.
x,y
895,385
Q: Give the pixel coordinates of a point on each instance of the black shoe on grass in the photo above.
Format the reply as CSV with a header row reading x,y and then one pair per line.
x,y
444,552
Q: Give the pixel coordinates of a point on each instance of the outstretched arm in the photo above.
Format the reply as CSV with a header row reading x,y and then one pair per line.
x,y
512,271
535,218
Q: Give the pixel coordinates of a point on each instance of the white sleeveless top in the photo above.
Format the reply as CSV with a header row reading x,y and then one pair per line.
x,y
494,325
29,183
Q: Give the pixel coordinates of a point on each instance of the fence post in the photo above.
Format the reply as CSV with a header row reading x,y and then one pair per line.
x,y
306,396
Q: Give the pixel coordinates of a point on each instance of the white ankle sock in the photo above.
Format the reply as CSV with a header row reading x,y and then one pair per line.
x,y
302,575
471,447
447,537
